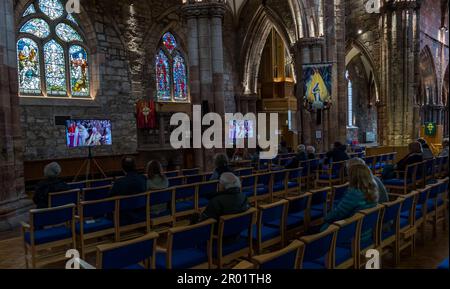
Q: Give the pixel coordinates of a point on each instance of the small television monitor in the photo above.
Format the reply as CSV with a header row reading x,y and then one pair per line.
x,y
241,129
88,132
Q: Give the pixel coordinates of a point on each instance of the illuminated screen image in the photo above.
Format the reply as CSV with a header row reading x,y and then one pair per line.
x,y
241,129
88,133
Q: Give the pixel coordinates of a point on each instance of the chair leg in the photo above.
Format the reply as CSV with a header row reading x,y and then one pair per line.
x,y
26,256
33,258
396,249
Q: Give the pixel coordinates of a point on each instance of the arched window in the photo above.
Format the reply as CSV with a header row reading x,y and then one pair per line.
x,y
171,72
52,60
349,99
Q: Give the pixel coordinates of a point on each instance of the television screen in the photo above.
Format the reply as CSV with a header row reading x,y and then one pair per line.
x,y
241,129
88,132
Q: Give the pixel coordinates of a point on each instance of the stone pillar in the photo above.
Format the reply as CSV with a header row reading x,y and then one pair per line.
x,y
13,204
399,71
206,48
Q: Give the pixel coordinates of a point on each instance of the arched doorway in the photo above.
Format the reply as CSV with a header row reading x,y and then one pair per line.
x,y
362,94
428,98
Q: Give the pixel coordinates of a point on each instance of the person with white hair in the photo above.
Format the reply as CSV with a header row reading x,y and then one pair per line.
x,y
301,156
311,152
51,184
228,200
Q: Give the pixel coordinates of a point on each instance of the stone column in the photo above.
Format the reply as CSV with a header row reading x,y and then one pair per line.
x,y
399,70
206,47
13,204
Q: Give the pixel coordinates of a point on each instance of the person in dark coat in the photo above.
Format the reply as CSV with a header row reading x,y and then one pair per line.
x,y
301,156
337,154
132,183
222,166
228,200
51,184
414,156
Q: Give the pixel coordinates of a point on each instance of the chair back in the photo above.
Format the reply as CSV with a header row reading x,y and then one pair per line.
x,y
244,172
161,197
319,245
371,223
349,231
408,208
339,192
193,179
390,220
58,199
101,182
320,197
97,208
285,259
185,192
132,202
96,193
176,181
52,216
272,212
430,168
77,185
264,179
299,204
208,188
190,172
171,174
263,164
181,237
127,254
233,225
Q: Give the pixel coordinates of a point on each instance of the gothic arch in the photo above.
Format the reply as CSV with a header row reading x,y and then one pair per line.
x,y
255,39
428,89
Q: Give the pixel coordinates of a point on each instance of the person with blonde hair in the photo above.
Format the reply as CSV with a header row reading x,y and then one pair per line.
x,y
383,194
362,194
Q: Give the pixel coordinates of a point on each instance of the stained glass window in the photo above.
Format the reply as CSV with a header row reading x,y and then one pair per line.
x,y
36,27
162,76
171,71
169,42
79,74
179,78
63,68
30,10
67,33
52,8
55,69
28,67
71,19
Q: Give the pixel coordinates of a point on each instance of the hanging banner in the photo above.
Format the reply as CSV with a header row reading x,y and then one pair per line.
x,y
145,114
317,79
430,129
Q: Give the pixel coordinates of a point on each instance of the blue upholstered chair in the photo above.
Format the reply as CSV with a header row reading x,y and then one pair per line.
x,y
390,229
288,258
135,254
370,231
190,172
370,162
347,242
319,205
194,179
96,193
421,211
243,172
265,232
279,184
297,219
229,243
205,190
187,247
332,175
96,219
166,199
48,229
405,181
294,181
177,181
319,249
248,184
430,171
263,187
58,199
100,182
171,174
437,205
133,214
338,193
420,177
185,197
407,231
263,165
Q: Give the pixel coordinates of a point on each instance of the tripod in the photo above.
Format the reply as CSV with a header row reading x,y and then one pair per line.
x,y
88,163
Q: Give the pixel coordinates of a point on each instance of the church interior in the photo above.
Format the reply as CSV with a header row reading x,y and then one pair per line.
x,y
90,177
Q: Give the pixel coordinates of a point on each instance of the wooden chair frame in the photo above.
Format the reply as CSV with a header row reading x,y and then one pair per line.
x,y
329,171
132,227
50,195
325,208
394,240
168,219
407,186
362,251
261,245
352,262
295,231
296,245
329,259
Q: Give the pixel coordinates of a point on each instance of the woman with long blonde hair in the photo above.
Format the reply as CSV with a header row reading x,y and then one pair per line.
x,y
362,194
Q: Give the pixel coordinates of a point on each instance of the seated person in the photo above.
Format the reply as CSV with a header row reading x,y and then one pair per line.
x,y
444,152
427,154
240,154
51,185
229,200
255,156
362,194
337,154
156,179
382,192
222,166
301,156
414,156
311,151
283,149
132,183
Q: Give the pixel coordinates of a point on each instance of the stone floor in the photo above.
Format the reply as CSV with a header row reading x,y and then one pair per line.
x,y
427,256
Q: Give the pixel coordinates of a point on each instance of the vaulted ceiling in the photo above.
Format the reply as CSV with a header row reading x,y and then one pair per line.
x,y
236,6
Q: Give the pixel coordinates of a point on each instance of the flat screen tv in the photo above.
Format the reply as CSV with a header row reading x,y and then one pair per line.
x,y
240,129
88,132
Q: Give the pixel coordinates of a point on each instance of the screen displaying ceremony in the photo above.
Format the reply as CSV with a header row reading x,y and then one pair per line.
x,y
240,129
82,133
